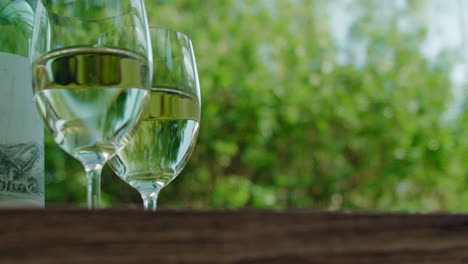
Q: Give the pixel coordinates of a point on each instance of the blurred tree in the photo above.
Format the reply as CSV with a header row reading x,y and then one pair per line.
x,y
293,118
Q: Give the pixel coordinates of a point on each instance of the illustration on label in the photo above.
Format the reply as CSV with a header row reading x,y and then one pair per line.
x,y
20,167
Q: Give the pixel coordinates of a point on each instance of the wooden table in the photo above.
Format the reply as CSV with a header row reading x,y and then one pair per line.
x,y
124,236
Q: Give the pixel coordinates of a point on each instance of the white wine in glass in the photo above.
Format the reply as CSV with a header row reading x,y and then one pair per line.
x,y
165,140
163,143
89,98
91,93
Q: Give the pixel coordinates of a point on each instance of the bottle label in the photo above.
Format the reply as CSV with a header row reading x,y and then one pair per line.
x,y
21,135
20,167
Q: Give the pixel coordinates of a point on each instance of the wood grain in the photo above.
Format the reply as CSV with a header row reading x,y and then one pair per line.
x,y
123,236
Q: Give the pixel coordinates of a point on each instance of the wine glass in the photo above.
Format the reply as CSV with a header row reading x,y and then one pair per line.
x,y
91,93
164,142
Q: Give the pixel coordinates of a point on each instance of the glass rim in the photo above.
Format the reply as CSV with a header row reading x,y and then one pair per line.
x,y
171,31
152,28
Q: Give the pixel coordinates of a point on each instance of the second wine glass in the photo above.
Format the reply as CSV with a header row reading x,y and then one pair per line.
x,y
165,140
90,94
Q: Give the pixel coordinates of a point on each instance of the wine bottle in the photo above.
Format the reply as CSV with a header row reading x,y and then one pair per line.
x,y
21,132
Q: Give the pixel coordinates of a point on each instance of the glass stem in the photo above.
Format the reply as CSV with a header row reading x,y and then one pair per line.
x,y
93,163
150,200
94,187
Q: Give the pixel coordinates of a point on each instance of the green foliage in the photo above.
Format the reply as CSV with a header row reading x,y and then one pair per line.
x,y
287,124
